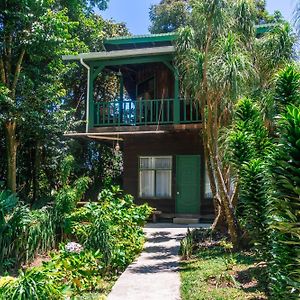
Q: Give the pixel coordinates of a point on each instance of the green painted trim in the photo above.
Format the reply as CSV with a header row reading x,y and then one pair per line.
x,y
172,68
176,91
176,98
144,112
91,105
97,71
263,28
121,88
138,39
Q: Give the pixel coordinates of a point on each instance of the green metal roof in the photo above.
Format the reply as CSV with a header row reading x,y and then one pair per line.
x,y
263,28
140,41
149,38
142,45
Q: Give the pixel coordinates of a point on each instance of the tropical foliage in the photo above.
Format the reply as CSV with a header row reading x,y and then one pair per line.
x,y
168,15
41,98
110,236
284,211
251,157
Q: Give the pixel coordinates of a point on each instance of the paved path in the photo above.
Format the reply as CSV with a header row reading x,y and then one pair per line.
x,y
154,275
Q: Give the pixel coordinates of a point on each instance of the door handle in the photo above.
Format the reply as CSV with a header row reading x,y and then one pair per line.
x,y
177,193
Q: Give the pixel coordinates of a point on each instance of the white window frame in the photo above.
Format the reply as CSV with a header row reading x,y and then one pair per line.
x,y
155,169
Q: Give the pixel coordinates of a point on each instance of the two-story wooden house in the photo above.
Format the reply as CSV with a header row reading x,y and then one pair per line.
x,y
160,131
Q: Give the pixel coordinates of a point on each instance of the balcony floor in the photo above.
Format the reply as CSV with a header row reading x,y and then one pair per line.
x,y
133,129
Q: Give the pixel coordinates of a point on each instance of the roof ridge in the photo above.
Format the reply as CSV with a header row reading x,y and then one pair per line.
x,y
174,33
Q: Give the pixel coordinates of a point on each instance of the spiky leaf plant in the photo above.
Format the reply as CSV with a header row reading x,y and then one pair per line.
x,y
248,148
287,87
284,210
253,199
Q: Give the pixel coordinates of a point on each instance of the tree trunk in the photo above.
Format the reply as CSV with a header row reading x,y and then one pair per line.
x,y
225,211
233,228
220,223
11,151
35,171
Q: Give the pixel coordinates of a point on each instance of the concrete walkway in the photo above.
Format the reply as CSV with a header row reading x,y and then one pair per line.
x,y
154,275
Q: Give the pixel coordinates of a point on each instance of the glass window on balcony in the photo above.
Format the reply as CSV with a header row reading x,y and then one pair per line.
x,y
155,177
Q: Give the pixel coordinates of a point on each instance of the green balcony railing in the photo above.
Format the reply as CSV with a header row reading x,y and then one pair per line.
x,y
144,112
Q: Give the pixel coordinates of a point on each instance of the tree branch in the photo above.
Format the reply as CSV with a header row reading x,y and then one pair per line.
x,y
17,74
2,71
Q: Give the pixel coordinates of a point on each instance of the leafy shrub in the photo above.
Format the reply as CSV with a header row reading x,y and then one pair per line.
x,y
67,196
79,271
33,284
113,226
23,233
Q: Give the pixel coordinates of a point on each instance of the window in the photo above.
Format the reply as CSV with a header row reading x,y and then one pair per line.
x,y
155,177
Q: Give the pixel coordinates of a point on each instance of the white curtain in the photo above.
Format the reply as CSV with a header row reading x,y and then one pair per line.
x,y
163,183
147,183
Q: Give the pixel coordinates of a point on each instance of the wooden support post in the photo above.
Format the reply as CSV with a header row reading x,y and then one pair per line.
x,y
176,97
176,105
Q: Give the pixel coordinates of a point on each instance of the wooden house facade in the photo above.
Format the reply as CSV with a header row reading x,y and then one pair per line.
x,y
159,131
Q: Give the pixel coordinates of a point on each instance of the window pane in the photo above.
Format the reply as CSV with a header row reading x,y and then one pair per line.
x,y
146,163
163,163
147,183
163,184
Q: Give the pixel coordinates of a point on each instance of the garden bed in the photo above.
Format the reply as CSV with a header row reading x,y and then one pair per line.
x,y
212,272
87,248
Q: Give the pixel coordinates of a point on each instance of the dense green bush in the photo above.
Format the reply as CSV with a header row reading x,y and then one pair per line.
x,y
113,225
284,210
248,150
68,193
33,284
80,272
23,232
111,234
253,201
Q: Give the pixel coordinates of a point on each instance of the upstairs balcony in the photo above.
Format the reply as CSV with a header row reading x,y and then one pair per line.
x,y
145,112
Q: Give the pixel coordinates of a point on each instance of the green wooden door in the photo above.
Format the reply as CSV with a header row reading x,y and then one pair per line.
x,y
188,184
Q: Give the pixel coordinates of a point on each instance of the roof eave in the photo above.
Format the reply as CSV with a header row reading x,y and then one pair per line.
x,y
121,54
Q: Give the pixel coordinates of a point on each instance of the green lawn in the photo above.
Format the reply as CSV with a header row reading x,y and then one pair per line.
x,y
215,274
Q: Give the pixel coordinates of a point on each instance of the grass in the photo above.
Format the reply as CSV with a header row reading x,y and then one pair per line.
x,y
213,274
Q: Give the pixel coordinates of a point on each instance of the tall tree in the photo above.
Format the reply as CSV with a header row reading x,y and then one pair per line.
x,y
29,30
168,15
216,59
33,36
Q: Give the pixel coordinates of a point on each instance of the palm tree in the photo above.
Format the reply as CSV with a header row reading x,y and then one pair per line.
x,y
220,60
